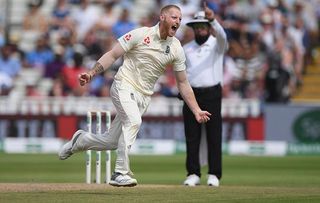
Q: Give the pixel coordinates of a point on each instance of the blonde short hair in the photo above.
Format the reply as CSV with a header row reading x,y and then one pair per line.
x,y
167,7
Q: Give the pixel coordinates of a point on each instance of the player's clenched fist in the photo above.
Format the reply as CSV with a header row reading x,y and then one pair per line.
x,y
84,78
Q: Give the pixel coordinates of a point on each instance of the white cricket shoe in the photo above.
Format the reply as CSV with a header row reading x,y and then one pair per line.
x,y
66,150
213,181
121,180
192,180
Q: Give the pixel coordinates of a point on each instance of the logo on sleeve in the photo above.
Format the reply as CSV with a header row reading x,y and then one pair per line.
x,y
147,40
127,37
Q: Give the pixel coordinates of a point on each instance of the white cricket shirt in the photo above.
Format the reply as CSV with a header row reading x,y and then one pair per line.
x,y
205,62
147,56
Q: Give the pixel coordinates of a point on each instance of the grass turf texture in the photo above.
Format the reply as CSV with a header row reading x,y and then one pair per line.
x,y
43,178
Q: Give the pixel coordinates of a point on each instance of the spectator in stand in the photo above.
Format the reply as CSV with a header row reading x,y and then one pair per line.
x,y
231,82
70,75
250,11
292,48
272,9
92,45
108,18
34,20
277,78
66,39
58,89
8,63
306,11
54,68
149,20
268,32
34,24
9,69
250,62
41,55
232,10
32,91
61,16
85,17
124,24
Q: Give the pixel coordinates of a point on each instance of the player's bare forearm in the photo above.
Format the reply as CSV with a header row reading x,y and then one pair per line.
x,y
86,77
102,64
96,70
188,96
186,91
107,60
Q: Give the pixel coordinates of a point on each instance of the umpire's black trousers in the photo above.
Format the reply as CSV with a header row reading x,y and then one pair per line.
x,y
209,99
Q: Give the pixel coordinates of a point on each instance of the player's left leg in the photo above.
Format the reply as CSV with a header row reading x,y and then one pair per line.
x,y
130,106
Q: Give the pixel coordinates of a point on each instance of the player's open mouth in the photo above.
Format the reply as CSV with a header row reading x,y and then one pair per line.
x,y
174,27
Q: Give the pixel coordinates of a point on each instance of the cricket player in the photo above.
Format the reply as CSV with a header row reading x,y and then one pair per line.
x,y
147,51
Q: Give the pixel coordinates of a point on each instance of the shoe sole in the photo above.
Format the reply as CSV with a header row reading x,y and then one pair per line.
x,y
118,185
192,185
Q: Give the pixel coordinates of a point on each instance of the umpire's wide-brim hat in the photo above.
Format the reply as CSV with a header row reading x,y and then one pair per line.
x,y
199,17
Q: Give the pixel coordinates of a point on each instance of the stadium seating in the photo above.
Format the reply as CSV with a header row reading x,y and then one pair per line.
x,y
310,91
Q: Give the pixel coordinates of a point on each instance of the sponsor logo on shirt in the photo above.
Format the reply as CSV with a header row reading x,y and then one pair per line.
x,y
127,37
147,40
167,50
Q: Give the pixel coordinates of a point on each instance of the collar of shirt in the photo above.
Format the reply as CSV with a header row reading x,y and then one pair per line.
x,y
157,31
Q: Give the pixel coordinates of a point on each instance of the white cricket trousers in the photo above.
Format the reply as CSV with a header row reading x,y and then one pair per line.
x,y
130,105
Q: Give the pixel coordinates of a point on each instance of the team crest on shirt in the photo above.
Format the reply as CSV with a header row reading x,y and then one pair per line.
x,y
146,40
127,37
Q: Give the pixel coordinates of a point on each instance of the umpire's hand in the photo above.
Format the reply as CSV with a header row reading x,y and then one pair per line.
x,y
208,12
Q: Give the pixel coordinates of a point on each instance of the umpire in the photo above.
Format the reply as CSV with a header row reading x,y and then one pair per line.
x,y
205,72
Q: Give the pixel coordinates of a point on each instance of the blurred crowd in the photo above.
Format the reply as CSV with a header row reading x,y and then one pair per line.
x,y
270,44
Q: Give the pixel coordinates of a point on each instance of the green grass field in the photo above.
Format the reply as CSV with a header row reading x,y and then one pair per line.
x,y
43,178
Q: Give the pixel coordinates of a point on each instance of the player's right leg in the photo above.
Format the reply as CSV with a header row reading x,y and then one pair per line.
x,y
66,151
82,141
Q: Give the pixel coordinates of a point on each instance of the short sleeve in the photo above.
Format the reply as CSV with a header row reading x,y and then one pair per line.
x,y
132,38
180,61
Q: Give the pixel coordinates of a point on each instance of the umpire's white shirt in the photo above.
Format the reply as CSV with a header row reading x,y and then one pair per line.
x,y
205,62
147,56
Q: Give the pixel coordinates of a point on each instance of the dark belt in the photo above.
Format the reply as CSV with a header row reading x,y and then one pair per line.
x,y
206,89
